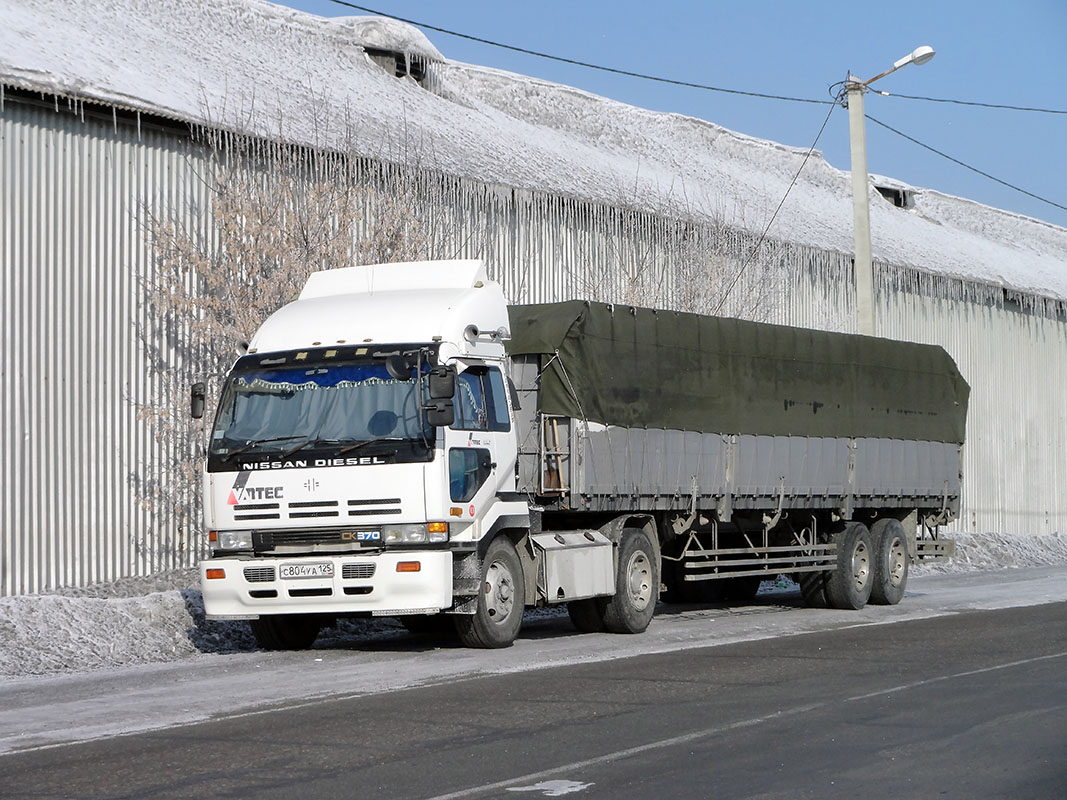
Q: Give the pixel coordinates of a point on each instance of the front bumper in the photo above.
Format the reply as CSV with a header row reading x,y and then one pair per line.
x,y
361,583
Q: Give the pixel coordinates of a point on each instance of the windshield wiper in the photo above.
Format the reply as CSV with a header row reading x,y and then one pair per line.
x,y
308,443
357,445
256,443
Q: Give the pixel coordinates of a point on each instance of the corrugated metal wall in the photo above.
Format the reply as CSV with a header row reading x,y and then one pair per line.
x,y
1014,462
74,248
77,192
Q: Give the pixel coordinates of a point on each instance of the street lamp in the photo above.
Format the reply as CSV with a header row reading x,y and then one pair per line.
x,y
861,217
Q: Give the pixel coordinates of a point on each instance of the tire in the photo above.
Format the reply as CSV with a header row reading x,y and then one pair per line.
x,y
586,616
743,589
890,562
813,588
850,582
286,631
498,616
631,608
679,590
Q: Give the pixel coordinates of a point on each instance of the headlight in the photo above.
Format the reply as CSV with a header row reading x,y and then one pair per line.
x,y
233,540
424,533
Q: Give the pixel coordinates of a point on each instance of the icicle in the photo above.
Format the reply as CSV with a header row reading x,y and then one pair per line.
x,y
138,125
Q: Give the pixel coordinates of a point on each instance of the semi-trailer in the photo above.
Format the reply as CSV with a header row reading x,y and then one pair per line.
x,y
400,442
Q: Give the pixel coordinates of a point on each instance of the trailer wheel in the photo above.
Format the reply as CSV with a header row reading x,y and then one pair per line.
x,y
286,631
679,590
498,616
742,589
586,616
850,582
889,545
813,589
631,608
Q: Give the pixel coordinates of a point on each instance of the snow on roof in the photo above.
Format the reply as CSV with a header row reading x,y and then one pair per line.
x,y
268,70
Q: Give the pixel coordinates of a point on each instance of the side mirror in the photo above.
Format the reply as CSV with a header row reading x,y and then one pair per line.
x,y
196,400
399,367
440,413
442,383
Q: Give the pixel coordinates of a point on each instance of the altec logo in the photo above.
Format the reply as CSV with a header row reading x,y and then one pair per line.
x,y
241,493
250,493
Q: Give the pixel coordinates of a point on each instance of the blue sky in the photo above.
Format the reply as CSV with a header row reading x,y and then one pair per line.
x,y
1005,53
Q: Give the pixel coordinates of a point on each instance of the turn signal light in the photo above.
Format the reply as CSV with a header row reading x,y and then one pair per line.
x,y
407,566
456,512
215,574
437,527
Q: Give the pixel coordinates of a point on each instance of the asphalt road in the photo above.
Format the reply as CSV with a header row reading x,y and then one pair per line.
x,y
969,705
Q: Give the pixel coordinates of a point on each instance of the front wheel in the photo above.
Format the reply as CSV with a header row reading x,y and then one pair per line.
x,y
631,608
889,545
498,615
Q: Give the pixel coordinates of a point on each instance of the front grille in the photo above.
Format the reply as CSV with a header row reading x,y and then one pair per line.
x,y
357,571
264,541
256,511
316,508
259,574
370,508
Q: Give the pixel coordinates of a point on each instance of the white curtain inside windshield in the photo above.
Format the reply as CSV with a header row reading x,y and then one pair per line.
x,y
344,401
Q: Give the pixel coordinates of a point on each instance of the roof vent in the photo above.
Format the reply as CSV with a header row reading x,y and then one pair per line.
x,y
398,48
897,195
398,64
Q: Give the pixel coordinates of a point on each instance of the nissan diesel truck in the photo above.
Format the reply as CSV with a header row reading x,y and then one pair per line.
x,y
400,442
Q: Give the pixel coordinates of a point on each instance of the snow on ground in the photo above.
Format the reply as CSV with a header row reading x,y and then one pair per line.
x,y
160,618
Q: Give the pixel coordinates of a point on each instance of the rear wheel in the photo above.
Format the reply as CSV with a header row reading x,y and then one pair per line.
x,y
849,584
498,615
890,562
586,616
743,589
631,608
813,589
679,590
286,631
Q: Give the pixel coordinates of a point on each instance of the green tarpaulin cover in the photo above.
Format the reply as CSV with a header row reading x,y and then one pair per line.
x,y
641,368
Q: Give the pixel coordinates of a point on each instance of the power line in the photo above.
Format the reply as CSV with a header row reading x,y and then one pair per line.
x,y
974,103
767,227
705,87
584,64
964,165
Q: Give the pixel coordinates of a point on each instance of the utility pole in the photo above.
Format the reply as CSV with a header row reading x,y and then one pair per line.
x,y
861,213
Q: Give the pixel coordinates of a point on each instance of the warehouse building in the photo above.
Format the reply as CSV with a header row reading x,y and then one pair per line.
x,y
114,119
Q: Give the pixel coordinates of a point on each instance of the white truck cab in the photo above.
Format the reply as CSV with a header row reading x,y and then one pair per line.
x,y
361,448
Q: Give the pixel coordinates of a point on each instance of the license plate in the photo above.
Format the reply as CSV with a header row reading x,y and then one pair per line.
x,y
317,570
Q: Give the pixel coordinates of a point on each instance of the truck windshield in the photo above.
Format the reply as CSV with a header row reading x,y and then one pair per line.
x,y
285,408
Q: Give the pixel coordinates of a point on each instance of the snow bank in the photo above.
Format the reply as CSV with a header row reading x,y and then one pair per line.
x,y
161,618
270,71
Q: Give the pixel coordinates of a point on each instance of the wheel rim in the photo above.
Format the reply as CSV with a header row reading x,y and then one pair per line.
x,y
861,565
499,592
639,580
898,560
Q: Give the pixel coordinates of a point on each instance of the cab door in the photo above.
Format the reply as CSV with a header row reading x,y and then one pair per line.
x,y
481,455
